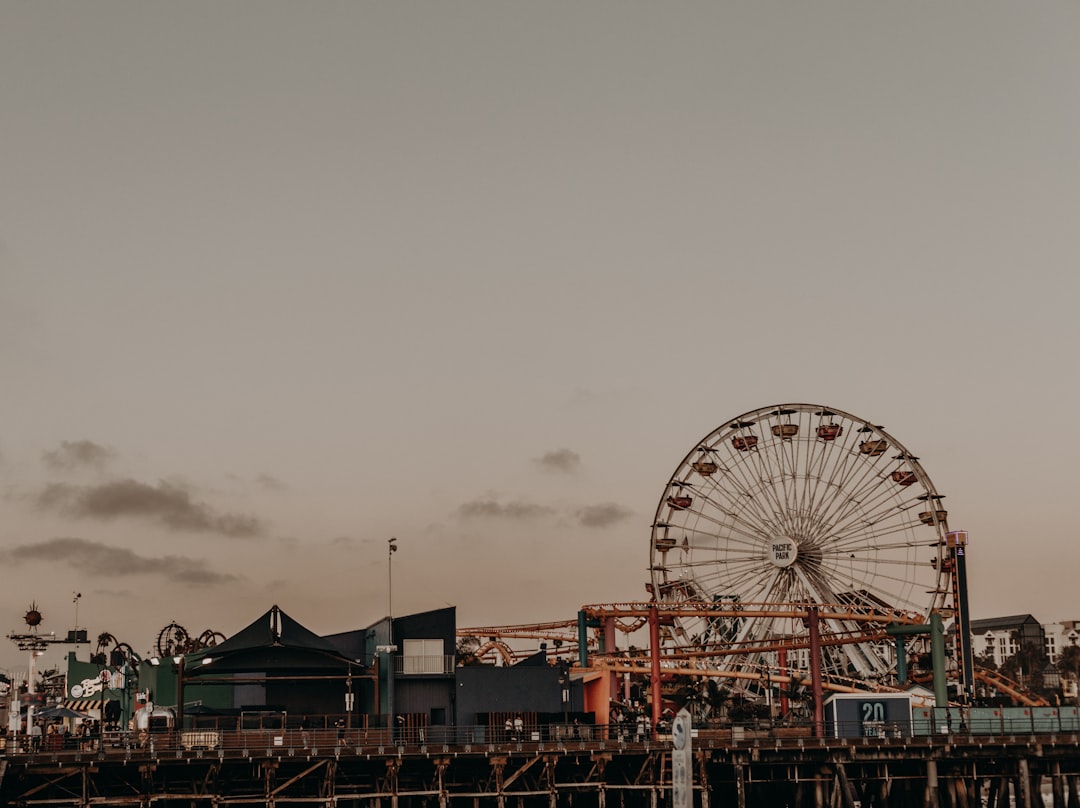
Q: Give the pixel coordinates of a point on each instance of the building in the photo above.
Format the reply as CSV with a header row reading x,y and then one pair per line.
x,y
999,638
273,668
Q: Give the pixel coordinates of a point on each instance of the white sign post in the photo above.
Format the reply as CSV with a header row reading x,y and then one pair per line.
x,y
682,761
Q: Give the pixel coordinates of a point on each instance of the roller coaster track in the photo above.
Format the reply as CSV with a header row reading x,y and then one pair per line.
x,y
834,684
679,660
1014,690
632,616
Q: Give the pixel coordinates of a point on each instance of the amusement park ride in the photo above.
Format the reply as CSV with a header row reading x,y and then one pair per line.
x,y
796,546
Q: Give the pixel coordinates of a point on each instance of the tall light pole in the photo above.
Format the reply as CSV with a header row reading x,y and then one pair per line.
x,y
390,673
179,662
392,545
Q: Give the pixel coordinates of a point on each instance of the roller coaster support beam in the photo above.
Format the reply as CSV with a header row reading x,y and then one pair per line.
x,y
584,623
816,690
937,653
781,661
654,654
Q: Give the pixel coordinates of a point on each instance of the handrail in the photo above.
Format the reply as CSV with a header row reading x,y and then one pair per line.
x,y
929,727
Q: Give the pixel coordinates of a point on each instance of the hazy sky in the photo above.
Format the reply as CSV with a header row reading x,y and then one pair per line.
x,y
279,281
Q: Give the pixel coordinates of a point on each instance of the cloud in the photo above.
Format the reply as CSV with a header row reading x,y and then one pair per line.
x,y
75,454
489,508
167,503
561,460
270,483
602,515
97,558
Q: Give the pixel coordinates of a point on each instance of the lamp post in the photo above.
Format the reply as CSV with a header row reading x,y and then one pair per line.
x,y
390,672
179,660
392,548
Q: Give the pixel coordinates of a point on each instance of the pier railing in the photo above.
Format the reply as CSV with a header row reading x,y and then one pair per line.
x,y
215,741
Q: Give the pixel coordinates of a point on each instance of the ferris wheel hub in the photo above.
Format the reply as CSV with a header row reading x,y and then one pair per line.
x,y
783,552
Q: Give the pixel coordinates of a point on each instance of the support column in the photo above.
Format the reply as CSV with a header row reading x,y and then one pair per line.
x,y
703,780
781,663
815,671
847,796
1023,784
654,654
931,784
497,764
1058,786
740,786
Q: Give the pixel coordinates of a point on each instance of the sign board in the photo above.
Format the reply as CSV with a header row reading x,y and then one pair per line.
x,y
682,761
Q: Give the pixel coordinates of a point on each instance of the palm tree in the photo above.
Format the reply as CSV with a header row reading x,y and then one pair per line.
x,y
466,651
1026,665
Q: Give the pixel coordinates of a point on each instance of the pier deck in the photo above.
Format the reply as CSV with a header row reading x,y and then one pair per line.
x,y
242,768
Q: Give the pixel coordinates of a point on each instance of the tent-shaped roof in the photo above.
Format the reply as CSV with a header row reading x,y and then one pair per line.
x,y
274,629
274,640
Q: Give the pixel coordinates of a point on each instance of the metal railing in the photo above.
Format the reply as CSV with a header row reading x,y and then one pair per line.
x,y
226,741
430,664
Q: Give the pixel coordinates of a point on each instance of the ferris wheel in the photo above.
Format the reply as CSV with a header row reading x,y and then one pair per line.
x,y
797,504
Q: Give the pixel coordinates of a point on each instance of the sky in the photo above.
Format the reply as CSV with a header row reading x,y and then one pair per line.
x,y
280,281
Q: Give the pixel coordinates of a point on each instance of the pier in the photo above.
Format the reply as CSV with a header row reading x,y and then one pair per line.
x,y
738,769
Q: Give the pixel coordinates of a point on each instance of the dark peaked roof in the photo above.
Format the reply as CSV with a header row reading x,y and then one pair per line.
x,y
274,629
991,623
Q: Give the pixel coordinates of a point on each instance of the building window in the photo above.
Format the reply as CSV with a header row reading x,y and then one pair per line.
x,y
423,656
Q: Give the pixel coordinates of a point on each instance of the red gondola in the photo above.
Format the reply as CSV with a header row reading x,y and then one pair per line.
x,y
874,447
904,477
927,517
830,431
705,468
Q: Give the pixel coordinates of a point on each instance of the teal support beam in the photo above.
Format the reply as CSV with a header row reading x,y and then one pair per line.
x,y
583,626
937,656
901,661
582,639
937,652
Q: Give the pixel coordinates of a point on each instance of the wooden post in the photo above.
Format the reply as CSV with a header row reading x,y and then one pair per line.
x,y
1058,786
1023,783
931,797
740,786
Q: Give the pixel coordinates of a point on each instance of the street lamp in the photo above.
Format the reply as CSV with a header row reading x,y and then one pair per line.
x,y
392,545
179,660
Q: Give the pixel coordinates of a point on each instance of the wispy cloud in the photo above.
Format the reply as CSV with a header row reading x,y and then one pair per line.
x,y
76,454
270,483
490,508
602,515
560,460
168,504
97,558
